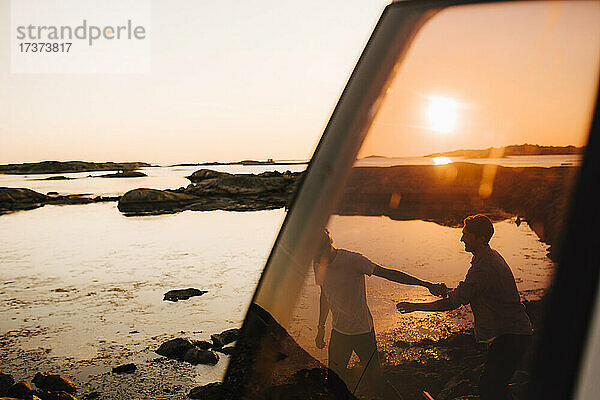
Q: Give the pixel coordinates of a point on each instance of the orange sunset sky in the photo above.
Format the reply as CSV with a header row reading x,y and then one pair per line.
x,y
493,75
260,80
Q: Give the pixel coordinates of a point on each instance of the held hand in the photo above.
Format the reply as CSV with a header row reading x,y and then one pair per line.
x,y
319,342
438,289
406,307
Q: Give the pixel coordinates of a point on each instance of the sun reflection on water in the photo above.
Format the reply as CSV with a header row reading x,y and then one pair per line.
x,y
441,160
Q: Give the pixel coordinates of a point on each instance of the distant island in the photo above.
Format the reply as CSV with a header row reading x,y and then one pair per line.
x,y
56,167
269,161
513,150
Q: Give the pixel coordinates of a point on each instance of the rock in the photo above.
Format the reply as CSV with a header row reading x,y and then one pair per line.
x,y
203,174
175,348
124,369
6,381
13,199
91,395
20,199
226,350
53,383
212,391
199,356
241,184
182,294
124,174
225,337
56,178
21,390
202,344
61,290
213,190
55,395
139,201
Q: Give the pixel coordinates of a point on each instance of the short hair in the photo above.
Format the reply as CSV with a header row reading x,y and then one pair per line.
x,y
479,225
324,242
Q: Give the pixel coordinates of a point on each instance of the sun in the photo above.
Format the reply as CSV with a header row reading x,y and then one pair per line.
x,y
442,113
441,160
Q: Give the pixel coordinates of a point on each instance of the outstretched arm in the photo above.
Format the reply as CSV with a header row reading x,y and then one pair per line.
x,y
323,312
440,305
393,275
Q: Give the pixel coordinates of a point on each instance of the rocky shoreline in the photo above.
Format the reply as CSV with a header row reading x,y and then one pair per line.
x,y
269,364
213,190
444,194
58,167
49,386
17,199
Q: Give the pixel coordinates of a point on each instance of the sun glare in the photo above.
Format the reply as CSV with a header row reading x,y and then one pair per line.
x,y
442,114
441,160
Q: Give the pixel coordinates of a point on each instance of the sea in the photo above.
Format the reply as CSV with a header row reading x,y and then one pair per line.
x,y
84,283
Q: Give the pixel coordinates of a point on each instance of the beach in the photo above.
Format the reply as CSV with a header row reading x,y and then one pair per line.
x,y
82,285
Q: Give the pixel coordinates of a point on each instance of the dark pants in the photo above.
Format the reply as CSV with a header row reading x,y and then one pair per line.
x,y
504,357
365,347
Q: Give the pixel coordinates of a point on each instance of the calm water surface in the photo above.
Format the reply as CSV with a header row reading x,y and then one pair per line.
x,y
80,279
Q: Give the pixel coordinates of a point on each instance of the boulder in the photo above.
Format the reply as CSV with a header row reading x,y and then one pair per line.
x,y
55,395
6,381
13,199
124,369
182,294
238,185
175,348
199,356
225,337
212,391
214,190
203,174
53,383
202,344
149,200
21,390
20,198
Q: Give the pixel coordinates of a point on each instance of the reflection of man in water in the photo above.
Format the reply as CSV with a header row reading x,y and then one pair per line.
x,y
500,317
341,275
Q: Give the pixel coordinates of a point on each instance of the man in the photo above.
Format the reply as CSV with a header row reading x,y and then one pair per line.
x,y
341,275
500,317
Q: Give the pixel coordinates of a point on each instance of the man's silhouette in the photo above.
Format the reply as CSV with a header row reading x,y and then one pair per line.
x,y
341,275
500,317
